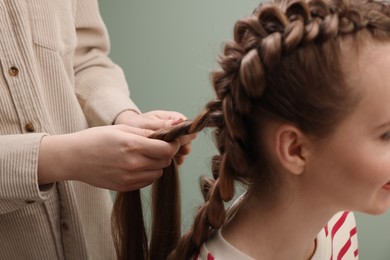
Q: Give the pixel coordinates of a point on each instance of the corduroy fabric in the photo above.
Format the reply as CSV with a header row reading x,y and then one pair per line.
x,y
64,82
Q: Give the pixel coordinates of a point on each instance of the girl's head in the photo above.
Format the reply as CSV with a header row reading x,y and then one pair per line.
x,y
290,64
290,81
290,100
301,85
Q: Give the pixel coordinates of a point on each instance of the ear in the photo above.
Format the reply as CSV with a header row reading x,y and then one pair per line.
x,y
291,148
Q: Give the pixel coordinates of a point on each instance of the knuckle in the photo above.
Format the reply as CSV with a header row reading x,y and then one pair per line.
x,y
185,149
158,174
120,188
166,163
129,167
167,154
132,164
147,132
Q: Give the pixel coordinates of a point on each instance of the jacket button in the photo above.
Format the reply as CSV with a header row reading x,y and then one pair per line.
x,y
29,127
13,71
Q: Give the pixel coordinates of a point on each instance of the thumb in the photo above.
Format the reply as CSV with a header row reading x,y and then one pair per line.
x,y
155,124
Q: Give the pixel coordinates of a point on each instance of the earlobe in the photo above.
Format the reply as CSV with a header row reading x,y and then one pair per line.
x,y
290,148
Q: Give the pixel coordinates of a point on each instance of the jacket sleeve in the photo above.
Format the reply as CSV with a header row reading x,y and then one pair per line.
x,y
100,84
18,172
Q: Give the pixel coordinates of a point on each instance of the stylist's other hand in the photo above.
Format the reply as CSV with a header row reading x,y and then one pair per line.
x,y
118,157
158,119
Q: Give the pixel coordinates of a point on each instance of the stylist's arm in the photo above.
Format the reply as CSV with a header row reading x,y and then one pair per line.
x,y
118,157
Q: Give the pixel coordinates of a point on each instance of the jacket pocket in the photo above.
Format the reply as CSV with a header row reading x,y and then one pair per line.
x,y
53,24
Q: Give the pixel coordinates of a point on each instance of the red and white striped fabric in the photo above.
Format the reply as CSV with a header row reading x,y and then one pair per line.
x,y
336,241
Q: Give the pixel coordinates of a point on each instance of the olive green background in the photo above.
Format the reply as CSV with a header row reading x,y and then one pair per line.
x,y
167,49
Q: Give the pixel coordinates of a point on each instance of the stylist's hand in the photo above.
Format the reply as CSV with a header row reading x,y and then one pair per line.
x,y
118,157
155,120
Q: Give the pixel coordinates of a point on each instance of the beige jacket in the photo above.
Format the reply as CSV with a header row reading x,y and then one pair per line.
x,y
55,79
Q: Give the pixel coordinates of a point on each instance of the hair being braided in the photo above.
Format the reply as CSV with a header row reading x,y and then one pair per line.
x,y
284,62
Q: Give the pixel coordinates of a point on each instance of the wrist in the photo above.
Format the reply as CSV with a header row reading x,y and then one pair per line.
x,y
122,118
52,161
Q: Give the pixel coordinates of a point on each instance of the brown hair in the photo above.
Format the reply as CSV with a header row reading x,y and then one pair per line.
x,y
284,63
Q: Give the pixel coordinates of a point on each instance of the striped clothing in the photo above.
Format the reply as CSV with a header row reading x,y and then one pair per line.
x,y
336,241
55,78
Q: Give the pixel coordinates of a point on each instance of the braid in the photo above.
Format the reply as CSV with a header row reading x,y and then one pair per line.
x,y
212,213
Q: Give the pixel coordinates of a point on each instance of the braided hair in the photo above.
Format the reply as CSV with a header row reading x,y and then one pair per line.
x,y
283,63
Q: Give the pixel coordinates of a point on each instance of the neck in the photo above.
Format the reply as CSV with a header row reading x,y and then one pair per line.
x,y
282,228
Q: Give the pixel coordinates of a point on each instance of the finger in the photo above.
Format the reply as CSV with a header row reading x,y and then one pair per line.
x,y
168,115
143,185
186,139
135,130
158,149
160,119
146,163
177,121
145,176
185,149
134,186
180,159
155,124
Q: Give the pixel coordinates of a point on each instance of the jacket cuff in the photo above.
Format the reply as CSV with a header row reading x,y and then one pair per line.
x,y
105,104
19,171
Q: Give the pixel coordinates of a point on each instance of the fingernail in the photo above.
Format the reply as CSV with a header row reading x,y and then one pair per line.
x,y
177,121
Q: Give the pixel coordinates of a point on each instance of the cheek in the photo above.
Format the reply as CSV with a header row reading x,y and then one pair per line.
x,y
361,177
360,170
379,170
351,171
344,175
371,163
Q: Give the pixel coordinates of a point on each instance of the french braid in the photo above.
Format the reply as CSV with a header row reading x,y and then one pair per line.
x,y
282,62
